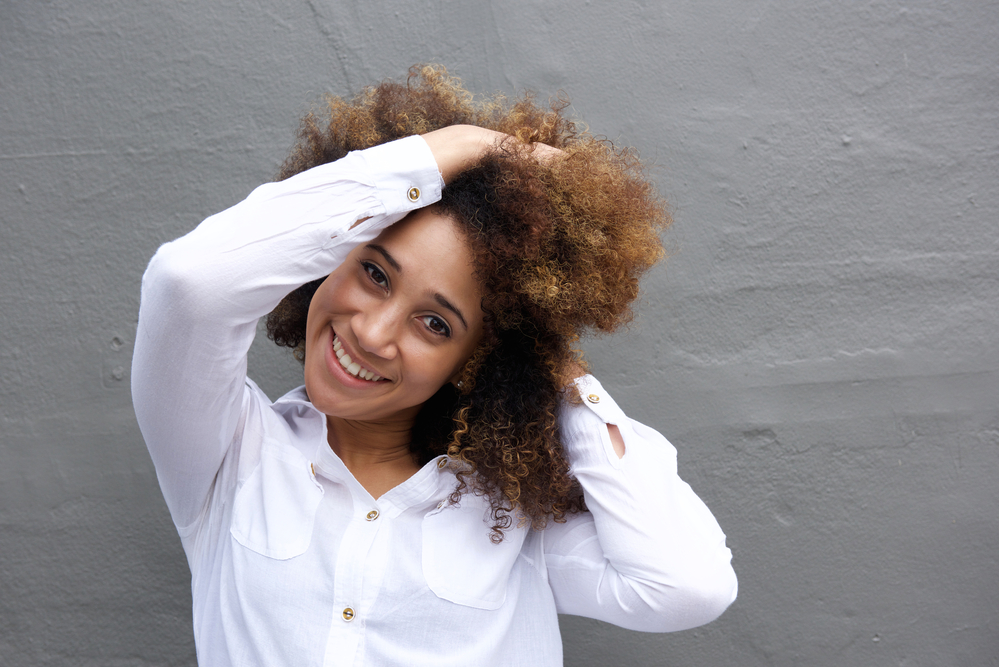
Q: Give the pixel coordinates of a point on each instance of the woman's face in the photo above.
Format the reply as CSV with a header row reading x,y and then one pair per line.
x,y
395,322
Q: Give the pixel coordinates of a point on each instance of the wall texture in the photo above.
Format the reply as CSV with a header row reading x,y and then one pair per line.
x,y
822,346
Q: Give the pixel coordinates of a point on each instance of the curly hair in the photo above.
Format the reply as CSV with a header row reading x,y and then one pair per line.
x,y
558,247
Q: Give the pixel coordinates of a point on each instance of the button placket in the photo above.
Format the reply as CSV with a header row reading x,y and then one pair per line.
x,y
353,585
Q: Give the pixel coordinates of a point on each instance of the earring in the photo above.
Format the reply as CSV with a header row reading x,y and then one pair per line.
x,y
460,384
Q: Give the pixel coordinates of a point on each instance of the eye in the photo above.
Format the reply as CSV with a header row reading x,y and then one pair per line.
x,y
437,325
377,276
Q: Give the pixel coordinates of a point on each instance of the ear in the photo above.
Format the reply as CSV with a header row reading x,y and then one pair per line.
x,y
459,374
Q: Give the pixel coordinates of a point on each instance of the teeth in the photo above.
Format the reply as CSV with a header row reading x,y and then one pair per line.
x,y
350,365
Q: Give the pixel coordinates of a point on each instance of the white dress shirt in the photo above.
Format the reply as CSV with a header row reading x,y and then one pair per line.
x,y
293,562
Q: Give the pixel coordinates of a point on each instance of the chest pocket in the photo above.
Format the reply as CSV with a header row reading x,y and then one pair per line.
x,y
460,563
275,509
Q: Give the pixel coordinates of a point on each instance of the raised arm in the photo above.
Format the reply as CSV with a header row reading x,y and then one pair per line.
x,y
203,293
649,555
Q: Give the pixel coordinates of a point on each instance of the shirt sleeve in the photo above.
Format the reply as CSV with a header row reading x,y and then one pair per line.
x,y
203,293
648,555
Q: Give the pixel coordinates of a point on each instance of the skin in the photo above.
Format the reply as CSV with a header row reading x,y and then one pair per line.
x,y
394,305
407,307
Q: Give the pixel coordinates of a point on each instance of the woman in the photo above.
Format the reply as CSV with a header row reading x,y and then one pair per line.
x,y
438,490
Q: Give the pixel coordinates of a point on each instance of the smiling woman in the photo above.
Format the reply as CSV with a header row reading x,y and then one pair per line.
x,y
393,310
396,309
448,479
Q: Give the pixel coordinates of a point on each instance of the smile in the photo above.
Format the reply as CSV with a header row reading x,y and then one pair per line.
x,y
350,365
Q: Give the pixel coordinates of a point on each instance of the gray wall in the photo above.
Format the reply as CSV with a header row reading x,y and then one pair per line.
x,y
822,346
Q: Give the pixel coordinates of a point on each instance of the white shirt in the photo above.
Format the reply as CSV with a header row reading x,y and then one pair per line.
x,y
293,562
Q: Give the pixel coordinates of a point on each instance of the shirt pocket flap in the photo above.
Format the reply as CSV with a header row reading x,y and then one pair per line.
x,y
275,509
460,562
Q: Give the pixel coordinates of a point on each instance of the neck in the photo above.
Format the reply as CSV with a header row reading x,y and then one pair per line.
x,y
376,453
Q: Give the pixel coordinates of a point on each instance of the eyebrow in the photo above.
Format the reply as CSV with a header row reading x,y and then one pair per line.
x,y
438,297
385,253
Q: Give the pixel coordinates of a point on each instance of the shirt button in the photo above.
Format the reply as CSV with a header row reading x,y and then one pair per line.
x,y
348,614
372,515
442,463
593,398
414,193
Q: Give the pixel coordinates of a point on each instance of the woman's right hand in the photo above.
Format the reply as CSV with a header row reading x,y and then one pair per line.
x,y
460,147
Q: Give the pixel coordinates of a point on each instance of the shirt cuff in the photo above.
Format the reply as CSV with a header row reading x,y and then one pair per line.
x,y
408,175
585,437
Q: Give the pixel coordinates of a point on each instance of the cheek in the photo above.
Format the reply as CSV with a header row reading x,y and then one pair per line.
x,y
325,298
316,316
430,369
457,365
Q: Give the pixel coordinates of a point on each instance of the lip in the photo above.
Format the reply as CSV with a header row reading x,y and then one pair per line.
x,y
337,370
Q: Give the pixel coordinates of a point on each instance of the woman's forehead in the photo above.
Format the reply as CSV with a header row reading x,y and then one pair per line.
x,y
430,248
426,231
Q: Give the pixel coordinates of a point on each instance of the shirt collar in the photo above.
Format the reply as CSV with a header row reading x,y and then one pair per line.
x,y
431,483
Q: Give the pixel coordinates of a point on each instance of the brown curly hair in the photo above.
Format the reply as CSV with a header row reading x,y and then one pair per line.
x,y
558,248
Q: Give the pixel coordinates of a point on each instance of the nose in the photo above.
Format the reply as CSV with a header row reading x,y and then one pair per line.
x,y
377,329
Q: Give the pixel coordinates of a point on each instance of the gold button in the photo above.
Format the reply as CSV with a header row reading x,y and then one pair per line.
x,y
372,515
442,463
348,614
414,194
593,398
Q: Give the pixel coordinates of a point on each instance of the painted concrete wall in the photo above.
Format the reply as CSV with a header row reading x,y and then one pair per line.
x,y
822,347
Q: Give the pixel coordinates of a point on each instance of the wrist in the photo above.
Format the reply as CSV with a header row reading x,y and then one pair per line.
x,y
460,147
